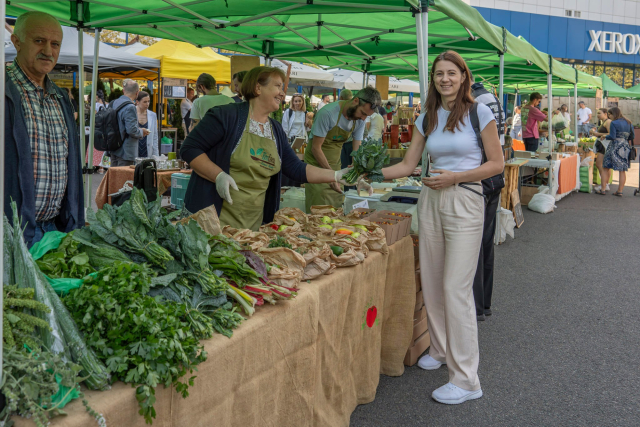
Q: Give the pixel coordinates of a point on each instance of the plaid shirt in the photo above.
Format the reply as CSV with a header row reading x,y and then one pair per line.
x,y
48,136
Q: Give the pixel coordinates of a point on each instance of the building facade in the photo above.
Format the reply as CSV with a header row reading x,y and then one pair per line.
x,y
595,36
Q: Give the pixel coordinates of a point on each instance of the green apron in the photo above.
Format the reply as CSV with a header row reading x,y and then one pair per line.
x,y
253,163
323,194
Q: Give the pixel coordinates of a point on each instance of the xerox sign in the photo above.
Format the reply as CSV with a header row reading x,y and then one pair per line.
x,y
612,42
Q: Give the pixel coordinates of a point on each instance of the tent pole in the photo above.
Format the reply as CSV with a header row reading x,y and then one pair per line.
x,y
364,78
2,104
92,115
550,128
367,83
421,68
267,61
575,111
424,18
81,94
498,232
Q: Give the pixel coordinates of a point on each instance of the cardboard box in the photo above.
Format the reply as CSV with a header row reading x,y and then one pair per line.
x,y
526,194
419,328
415,351
399,224
416,250
419,301
363,212
419,315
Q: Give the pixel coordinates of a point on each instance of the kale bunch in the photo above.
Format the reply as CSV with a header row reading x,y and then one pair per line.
x,y
369,159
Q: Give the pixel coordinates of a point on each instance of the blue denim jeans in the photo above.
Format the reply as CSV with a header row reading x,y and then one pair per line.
x,y
41,228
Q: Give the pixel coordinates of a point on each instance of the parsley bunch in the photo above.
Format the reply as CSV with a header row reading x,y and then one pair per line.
x,y
368,159
141,340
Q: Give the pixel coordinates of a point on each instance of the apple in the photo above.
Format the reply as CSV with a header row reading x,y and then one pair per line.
x,y
326,220
326,226
283,227
355,235
336,221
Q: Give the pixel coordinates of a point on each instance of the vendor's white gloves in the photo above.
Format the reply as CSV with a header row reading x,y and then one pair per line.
x,y
364,185
223,182
339,176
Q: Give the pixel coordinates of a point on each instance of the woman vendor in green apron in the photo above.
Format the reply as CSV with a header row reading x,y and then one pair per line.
x,y
238,155
332,127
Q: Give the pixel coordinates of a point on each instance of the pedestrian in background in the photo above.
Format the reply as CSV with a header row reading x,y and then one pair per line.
x,y
237,85
451,211
130,131
516,126
584,117
600,147
206,85
147,119
530,117
185,110
616,157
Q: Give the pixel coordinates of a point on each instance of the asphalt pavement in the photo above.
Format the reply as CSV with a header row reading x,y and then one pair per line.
x,y
562,347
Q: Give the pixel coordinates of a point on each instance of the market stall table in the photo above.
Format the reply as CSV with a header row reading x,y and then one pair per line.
x,y
115,177
566,174
305,362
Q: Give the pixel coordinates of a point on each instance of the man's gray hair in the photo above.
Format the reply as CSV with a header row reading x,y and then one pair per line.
x,y
369,95
20,29
130,87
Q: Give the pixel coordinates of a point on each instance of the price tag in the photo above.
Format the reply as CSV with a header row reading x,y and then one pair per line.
x,y
363,204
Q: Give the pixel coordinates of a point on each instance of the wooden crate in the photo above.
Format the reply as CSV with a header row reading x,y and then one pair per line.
x,y
418,347
419,301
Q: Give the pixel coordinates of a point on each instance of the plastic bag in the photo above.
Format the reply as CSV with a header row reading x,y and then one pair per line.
x,y
507,225
49,242
558,122
542,203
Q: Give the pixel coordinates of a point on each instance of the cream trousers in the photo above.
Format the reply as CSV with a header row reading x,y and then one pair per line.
x,y
451,222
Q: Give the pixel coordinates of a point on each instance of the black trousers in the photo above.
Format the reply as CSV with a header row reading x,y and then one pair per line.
x,y
483,282
530,144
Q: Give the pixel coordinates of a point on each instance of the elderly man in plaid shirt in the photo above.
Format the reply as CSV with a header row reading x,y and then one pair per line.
x,y
43,171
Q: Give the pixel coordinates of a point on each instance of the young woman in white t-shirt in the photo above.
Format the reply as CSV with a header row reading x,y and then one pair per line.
x,y
451,214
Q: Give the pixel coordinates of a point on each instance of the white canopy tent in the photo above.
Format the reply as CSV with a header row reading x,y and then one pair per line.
x,y
110,57
133,48
352,80
303,75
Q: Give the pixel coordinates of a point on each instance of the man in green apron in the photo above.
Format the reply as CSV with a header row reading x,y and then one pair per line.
x,y
332,127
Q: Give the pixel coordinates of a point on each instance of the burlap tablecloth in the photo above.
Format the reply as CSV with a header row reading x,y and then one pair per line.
x,y
115,177
305,362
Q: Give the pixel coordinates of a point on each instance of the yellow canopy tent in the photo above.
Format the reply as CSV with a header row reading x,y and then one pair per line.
x,y
180,60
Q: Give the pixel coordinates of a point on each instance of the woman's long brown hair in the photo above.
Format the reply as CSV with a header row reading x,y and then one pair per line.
x,y
617,114
462,103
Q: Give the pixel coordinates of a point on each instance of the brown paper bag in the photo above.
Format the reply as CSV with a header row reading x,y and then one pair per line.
x,y
317,256
207,219
376,239
327,210
247,238
290,265
284,215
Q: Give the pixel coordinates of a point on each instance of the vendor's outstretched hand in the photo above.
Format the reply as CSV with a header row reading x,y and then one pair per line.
x,y
341,173
364,185
223,182
444,180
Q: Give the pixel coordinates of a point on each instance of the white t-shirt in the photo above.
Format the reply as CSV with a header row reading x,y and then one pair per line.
x,y
583,115
456,151
206,102
293,123
326,119
185,106
376,127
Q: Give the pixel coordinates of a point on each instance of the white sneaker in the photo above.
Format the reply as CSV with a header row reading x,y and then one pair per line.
x,y
608,187
429,363
596,188
453,395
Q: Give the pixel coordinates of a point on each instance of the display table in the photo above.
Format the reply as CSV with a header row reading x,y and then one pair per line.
x,y
569,175
305,362
115,177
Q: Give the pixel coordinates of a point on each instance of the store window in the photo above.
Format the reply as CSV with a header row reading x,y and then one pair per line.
x,y
628,78
585,68
599,69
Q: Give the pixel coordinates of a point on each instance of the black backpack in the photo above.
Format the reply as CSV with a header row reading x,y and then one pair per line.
x,y
489,185
145,178
107,132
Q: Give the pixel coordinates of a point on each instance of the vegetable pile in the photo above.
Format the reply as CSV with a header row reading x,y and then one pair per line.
x,y
140,339
369,159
